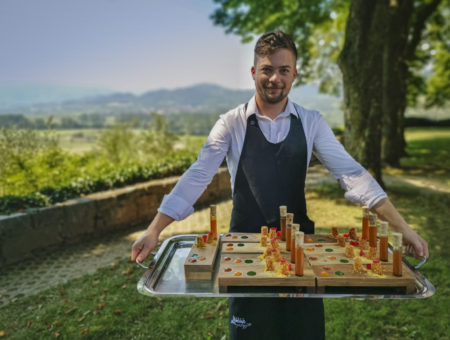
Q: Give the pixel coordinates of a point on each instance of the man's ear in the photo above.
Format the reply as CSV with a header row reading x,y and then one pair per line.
x,y
253,72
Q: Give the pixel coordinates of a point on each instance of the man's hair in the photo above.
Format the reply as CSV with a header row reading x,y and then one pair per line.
x,y
268,43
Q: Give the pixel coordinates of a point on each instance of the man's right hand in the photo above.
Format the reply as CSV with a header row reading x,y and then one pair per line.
x,y
144,245
148,241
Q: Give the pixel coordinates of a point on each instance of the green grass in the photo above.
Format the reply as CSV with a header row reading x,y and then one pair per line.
x,y
428,214
107,305
428,152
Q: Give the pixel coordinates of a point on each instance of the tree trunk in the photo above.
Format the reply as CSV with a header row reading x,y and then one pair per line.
x,y
361,63
395,73
375,72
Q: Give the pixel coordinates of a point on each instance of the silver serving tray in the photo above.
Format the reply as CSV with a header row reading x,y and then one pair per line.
x,y
165,276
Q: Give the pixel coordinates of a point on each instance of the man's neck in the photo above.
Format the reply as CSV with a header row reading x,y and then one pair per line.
x,y
270,110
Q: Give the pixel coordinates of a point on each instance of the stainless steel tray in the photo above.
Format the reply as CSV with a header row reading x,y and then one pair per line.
x,y
165,276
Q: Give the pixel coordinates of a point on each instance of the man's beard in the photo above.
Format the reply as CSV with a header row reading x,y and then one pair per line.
x,y
272,100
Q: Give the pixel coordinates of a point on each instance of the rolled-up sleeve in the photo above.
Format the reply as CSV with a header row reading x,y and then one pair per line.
x,y
179,203
360,187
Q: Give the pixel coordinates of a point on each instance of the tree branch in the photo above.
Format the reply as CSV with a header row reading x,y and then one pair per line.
x,y
422,15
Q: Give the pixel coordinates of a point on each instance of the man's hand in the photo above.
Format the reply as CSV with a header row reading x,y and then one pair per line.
x,y
144,245
414,244
148,241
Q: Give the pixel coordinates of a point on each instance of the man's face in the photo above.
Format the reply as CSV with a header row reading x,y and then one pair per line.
x,y
274,75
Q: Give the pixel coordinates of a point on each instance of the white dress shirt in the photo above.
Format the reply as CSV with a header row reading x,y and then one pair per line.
x,y
226,139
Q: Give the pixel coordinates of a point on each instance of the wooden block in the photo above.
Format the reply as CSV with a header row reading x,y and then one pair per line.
x,y
255,238
327,259
337,258
199,264
320,249
241,237
253,274
252,248
319,238
239,259
340,275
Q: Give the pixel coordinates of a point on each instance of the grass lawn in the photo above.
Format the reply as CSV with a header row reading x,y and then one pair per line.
x,y
106,305
428,152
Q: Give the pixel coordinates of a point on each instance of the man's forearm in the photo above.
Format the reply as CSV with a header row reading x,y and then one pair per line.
x,y
159,223
387,212
415,245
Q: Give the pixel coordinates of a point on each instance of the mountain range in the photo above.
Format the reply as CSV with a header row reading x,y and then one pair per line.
x,y
202,98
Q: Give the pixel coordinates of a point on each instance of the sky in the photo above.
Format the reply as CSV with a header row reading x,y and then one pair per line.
x,y
120,45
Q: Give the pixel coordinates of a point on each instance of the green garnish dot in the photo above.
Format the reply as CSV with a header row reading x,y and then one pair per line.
x,y
339,273
344,261
248,261
244,237
321,240
251,273
240,244
194,255
329,250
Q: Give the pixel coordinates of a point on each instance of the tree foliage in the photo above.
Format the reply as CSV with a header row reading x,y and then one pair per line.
x,y
303,20
389,53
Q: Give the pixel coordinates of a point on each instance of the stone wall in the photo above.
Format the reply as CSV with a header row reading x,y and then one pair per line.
x,y
22,234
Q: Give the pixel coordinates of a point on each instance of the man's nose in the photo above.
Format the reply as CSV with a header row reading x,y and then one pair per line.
x,y
274,77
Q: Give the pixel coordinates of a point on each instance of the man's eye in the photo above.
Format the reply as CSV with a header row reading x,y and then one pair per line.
x,y
284,70
266,69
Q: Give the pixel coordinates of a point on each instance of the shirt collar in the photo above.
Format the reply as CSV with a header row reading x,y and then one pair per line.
x,y
253,109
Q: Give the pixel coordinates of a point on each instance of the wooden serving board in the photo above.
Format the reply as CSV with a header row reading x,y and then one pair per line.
x,y
199,264
325,259
339,258
254,274
242,259
319,238
342,275
241,237
319,249
255,238
251,248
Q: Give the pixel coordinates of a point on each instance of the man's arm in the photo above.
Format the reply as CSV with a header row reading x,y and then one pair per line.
x,y
179,203
148,241
361,188
415,245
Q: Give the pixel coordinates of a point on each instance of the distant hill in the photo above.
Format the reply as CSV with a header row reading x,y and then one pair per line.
x,y
201,98
197,98
25,96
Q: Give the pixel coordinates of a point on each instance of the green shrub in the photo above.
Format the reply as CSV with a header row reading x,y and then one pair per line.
x,y
109,178
35,171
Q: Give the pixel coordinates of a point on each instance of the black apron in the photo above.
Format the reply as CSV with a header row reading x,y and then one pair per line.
x,y
270,175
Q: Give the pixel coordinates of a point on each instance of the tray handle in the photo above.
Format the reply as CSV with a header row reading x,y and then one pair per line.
x,y
140,264
421,263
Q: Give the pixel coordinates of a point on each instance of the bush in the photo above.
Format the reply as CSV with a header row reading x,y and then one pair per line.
x,y
35,171
106,179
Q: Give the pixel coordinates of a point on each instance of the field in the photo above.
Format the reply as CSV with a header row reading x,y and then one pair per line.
x,y
106,304
83,140
78,141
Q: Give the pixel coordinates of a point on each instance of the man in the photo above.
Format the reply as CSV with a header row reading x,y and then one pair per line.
x,y
268,143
